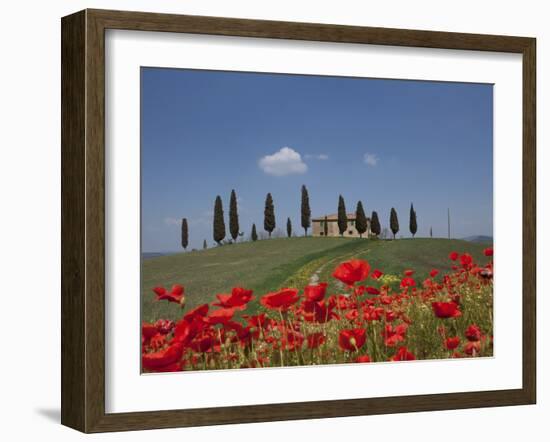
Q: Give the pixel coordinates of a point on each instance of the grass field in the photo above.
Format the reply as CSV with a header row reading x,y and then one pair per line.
x,y
268,265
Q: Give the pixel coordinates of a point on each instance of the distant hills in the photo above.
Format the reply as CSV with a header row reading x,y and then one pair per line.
x,y
479,238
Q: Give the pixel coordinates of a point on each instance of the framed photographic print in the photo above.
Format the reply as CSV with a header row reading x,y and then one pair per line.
x,y
268,220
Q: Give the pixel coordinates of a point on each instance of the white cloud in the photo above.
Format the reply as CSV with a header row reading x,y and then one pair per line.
x,y
316,156
284,162
370,159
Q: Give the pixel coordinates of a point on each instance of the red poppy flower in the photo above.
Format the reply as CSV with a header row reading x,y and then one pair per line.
x,y
452,343
292,340
314,340
390,316
392,336
403,354
203,342
159,360
221,316
453,256
434,273
352,314
260,320
239,297
198,312
359,291
148,330
176,295
186,330
473,333
488,251
244,335
445,310
466,261
281,300
353,271
372,291
352,339
408,272
363,358
407,282
428,284
376,274
373,313
315,292
320,312
158,341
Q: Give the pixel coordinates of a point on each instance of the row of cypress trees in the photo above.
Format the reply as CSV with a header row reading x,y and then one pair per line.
x,y
269,218
394,222
361,223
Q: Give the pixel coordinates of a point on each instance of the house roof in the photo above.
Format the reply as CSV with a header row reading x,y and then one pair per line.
x,y
334,217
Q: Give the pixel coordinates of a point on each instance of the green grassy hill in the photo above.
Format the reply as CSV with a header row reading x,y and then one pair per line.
x,y
267,265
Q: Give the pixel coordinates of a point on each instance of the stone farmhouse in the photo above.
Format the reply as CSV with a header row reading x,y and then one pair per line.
x,y
328,226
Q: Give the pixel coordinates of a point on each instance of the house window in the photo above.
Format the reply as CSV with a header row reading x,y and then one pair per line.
x,y
350,232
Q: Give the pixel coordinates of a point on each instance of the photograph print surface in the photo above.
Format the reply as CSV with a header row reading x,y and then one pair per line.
x,y
300,220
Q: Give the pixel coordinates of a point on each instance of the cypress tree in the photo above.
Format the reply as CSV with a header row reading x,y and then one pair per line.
x,y
233,216
412,221
254,235
306,211
288,228
375,227
269,215
394,222
184,234
325,226
342,216
219,223
204,245
431,233
360,219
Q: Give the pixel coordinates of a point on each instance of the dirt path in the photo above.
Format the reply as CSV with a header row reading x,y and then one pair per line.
x,y
314,279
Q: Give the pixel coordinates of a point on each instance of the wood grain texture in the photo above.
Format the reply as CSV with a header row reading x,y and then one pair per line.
x,y
144,21
73,128
83,219
529,221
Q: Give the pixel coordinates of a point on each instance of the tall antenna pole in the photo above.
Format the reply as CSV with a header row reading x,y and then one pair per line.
x,y
449,222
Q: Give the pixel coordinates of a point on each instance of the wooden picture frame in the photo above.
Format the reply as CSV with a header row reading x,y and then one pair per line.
x,y
83,220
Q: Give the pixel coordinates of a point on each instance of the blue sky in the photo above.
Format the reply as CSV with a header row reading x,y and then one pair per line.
x,y
385,142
